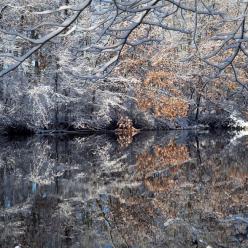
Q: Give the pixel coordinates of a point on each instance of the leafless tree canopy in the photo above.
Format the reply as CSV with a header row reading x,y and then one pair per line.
x,y
112,25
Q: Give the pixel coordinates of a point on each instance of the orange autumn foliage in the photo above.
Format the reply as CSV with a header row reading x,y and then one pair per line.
x,y
161,79
149,97
162,184
169,107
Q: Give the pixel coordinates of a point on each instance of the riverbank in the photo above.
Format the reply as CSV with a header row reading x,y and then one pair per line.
x,y
140,122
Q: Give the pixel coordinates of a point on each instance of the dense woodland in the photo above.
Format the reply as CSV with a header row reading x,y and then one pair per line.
x,y
85,64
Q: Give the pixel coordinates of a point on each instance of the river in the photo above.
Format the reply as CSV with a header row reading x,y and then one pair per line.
x,y
159,189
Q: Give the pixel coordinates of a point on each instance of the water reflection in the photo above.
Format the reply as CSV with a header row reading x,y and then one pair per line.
x,y
176,189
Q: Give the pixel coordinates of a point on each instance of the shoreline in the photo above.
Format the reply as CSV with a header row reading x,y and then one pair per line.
x,y
89,132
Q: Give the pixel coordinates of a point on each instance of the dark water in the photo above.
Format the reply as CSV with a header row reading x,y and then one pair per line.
x,y
175,189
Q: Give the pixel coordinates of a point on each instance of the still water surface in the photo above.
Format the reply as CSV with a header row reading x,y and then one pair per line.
x,y
175,189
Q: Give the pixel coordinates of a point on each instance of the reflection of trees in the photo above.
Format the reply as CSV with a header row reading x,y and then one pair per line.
x,y
154,193
166,159
169,155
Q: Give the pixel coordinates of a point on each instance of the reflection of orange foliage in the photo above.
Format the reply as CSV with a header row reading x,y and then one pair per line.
x,y
238,175
171,154
159,184
124,139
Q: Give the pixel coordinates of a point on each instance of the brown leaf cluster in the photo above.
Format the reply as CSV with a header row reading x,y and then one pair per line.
x,y
125,131
164,106
162,79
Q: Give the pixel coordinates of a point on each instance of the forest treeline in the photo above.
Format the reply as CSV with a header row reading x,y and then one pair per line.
x,y
84,64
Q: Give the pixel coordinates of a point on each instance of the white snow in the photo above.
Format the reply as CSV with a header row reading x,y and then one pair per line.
x,y
239,121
